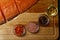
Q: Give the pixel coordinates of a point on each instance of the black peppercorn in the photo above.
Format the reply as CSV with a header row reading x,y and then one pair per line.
x,y
43,20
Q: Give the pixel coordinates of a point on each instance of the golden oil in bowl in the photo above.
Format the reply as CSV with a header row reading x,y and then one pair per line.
x,y
52,11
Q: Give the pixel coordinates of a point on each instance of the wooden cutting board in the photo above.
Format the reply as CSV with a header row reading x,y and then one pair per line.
x,y
49,32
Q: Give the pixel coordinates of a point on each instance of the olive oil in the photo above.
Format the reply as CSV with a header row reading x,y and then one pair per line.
x,y
52,11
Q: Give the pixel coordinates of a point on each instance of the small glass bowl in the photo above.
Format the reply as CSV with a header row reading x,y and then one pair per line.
x,y
52,11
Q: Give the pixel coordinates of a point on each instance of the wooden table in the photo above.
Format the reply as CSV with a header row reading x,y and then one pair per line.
x,y
49,32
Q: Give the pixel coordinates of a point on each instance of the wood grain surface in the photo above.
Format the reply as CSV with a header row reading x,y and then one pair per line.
x,y
42,5
49,32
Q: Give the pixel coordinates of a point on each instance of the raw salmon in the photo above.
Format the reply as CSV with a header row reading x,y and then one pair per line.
x,y
11,8
1,18
24,4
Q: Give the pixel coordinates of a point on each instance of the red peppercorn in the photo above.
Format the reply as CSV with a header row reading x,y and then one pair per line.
x,y
19,30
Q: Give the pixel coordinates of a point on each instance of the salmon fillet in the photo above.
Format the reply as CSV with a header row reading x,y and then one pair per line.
x,y
1,19
10,12
5,3
24,4
11,8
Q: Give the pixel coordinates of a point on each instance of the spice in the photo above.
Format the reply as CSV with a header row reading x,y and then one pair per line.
x,y
43,20
32,27
19,30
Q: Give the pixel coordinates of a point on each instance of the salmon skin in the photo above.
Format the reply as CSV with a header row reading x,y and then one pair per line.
x,y
10,8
